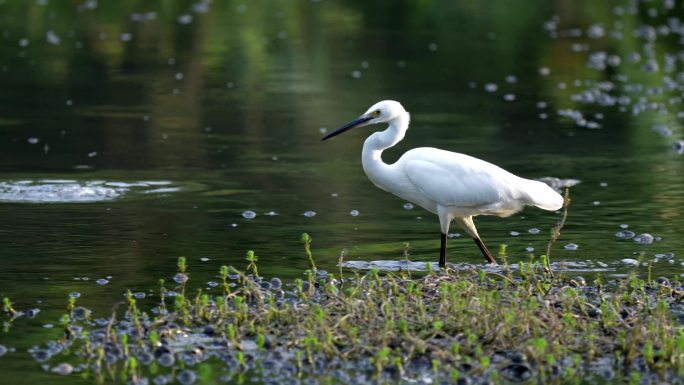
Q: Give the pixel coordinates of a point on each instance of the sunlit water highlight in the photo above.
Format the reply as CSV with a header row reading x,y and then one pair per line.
x,y
73,191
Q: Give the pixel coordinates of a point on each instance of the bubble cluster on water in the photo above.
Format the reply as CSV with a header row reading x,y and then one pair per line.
x,y
249,214
184,19
668,256
491,87
630,261
645,80
625,234
63,369
644,239
142,17
678,146
180,278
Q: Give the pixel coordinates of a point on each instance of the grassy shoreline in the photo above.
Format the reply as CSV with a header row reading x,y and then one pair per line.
x,y
441,326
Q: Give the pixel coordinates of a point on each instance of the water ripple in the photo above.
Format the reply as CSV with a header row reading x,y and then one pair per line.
x,y
74,191
389,265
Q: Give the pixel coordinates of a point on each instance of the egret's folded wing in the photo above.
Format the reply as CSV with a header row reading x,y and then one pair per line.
x,y
453,184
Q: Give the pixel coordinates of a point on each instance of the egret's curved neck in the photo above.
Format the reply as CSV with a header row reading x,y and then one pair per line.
x,y
371,157
380,141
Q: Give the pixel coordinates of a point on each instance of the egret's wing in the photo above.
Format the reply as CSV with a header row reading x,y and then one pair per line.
x,y
452,183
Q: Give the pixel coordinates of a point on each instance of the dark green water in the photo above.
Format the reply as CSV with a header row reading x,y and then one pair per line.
x,y
223,113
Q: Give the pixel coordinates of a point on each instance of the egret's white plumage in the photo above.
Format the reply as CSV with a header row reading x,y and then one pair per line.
x,y
454,186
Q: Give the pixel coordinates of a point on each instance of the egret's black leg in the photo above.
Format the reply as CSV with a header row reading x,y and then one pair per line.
x,y
442,251
484,250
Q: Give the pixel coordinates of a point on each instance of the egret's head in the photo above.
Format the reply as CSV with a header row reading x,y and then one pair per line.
x,y
384,111
381,112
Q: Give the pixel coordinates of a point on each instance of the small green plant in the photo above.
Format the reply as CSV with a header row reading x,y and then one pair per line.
x,y
223,272
306,239
556,231
252,259
134,312
7,307
182,265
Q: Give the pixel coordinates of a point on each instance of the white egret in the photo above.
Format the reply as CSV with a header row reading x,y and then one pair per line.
x,y
454,186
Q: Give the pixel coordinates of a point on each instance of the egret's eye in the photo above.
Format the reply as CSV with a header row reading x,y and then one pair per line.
x,y
376,113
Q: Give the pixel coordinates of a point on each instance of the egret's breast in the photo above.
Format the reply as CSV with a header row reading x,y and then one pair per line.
x,y
392,179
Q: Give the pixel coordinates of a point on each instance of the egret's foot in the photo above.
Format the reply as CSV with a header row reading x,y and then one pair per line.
x,y
487,254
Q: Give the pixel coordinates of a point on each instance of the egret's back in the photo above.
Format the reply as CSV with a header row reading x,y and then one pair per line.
x,y
471,186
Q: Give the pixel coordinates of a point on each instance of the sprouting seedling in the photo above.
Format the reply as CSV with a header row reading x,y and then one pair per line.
x,y
252,259
649,352
435,365
504,258
556,231
502,250
380,360
485,362
231,333
182,266
134,312
340,263
124,343
71,305
132,364
260,341
407,254
182,278
162,296
65,321
539,344
306,239
7,306
224,271
241,359
437,326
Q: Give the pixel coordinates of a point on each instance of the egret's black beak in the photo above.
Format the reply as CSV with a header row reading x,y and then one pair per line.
x,y
362,121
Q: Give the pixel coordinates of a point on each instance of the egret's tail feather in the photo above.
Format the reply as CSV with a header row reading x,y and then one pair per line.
x,y
543,196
